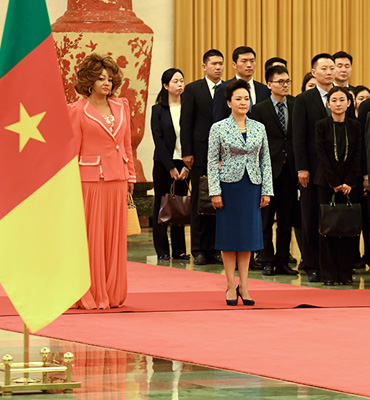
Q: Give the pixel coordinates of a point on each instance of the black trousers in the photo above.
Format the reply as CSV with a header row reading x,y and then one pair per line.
x,y
282,203
310,228
162,182
203,227
360,198
337,255
365,225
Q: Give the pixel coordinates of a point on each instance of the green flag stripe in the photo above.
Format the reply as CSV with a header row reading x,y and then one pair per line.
x,y
26,26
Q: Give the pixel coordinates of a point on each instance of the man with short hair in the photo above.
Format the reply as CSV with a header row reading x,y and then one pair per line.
x,y
343,69
309,107
244,63
276,114
195,122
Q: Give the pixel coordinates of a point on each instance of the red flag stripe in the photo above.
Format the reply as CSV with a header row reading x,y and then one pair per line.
x,y
33,82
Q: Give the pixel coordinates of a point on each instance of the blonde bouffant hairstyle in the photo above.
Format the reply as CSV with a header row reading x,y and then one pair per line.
x,y
90,70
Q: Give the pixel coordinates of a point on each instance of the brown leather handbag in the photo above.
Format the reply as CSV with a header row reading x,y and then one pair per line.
x,y
174,209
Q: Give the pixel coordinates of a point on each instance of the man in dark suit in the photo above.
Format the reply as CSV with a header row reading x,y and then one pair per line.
x,y
338,145
363,118
244,63
343,69
363,112
309,107
195,122
276,114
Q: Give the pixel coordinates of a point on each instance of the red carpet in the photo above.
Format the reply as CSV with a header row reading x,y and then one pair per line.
x,y
324,347
156,288
327,348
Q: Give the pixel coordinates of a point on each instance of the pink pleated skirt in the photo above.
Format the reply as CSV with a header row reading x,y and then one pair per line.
x,y
106,210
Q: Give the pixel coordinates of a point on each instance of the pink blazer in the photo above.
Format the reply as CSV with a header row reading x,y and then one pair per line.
x,y
101,152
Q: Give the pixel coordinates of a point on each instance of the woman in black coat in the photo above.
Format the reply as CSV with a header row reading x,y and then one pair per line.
x,y
168,165
338,145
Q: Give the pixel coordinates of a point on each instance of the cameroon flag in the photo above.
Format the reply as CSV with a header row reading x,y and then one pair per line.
x,y
44,266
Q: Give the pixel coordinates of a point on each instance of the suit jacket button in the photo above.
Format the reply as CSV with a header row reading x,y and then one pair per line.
x,y
117,147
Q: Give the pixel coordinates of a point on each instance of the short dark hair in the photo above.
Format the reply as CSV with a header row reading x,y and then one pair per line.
x,y
277,69
335,89
211,53
306,78
235,85
167,75
342,54
242,50
359,89
272,60
318,57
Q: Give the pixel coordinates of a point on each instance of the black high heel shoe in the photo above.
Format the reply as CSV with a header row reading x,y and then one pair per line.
x,y
232,302
246,302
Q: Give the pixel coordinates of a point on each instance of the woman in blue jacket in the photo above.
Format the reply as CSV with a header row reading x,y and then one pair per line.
x,y
240,183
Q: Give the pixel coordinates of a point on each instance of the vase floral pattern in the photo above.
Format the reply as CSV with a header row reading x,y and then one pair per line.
x,y
130,47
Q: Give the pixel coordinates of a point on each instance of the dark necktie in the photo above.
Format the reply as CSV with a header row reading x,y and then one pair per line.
x,y
215,90
328,111
281,115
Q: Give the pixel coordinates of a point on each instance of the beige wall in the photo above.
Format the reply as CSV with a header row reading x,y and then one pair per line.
x,y
160,17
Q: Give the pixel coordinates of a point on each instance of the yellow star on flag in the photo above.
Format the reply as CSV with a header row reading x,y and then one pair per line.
x,y
27,127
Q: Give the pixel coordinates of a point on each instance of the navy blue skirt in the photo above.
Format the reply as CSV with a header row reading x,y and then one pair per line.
x,y
239,222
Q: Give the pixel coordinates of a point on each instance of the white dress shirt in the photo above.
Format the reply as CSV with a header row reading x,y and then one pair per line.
x,y
212,86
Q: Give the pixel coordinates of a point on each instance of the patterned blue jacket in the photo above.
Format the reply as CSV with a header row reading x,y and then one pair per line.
x,y
226,143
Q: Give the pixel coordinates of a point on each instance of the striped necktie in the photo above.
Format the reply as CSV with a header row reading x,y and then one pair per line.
x,y
281,115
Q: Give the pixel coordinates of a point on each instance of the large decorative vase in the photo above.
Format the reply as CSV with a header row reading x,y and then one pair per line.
x,y
108,27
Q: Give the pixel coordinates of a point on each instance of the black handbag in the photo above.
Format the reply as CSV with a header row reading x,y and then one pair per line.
x,y
340,220
174,209
204,200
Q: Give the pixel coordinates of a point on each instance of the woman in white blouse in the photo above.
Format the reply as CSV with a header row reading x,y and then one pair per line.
x,y
168,165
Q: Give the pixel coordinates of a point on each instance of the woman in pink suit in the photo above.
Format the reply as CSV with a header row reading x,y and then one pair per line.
x,y
101,125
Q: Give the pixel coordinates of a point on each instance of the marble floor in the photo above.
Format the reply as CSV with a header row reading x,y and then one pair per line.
x,y
111,374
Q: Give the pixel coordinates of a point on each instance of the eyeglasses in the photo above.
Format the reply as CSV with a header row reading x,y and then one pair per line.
x,y
281,82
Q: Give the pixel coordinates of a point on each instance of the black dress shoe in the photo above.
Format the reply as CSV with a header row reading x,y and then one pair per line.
x,y
329,283
313,277
182,256
292,260
232,302
268,270
258,263
246,302
200,259
253,266
285,270
359,265
215,259
347,283
164,257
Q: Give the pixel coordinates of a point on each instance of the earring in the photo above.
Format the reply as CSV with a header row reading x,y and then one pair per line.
x,y
90,89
